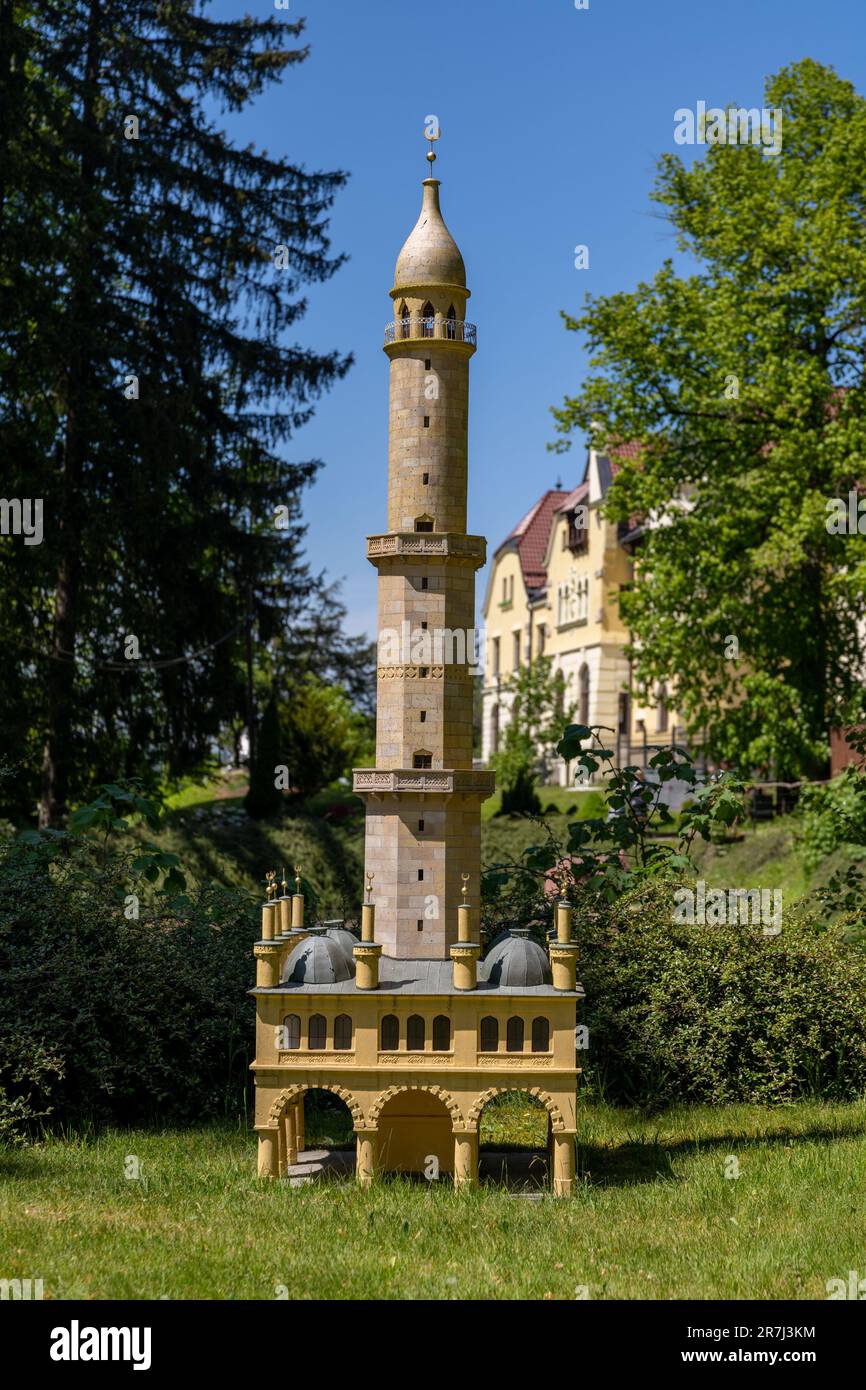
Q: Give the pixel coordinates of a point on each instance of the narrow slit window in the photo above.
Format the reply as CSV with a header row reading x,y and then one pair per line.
x,y
420,875
426,422
424,582
420,825
425,477
423,716
420,924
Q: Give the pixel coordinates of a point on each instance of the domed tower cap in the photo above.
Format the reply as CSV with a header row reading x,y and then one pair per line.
x,y
430,255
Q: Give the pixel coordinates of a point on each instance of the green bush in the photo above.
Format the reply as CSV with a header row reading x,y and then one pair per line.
x,y
831,814
123,1021
680,1012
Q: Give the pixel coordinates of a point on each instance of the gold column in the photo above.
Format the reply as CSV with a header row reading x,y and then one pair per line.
x,y
365,1160
267,1153
564,919
465,953
281,1146
563,1165
368,952
297,901
564,952
291,1135
465,1158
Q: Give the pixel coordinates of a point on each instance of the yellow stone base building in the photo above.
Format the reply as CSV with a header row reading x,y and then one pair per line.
x,y
408,1024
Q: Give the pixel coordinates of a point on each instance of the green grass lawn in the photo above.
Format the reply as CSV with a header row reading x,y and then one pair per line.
x,y
654,1216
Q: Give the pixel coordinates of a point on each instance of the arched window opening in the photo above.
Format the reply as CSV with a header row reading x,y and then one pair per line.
x,y
415,1033
291,1032
424,523
514,1035
404,320
451,323
583,694
318,1031
662,709
540,1035
428,320
342,1033
441,1033
422,759
390,1033
489,1035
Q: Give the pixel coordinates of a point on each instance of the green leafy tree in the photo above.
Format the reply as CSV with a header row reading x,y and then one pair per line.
x,y
264,797
326,735
741,381
609,855
152,278
537,720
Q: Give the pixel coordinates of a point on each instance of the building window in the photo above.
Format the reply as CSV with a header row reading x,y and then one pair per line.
x,y
494,729
423,523
516,653
415,1033
441,1033
318,1031
496,656
422,759
662,710
540,1035
541,639
428,320
583,694
404,321
451,323
390,1033
424,582
420,875
428,363
577,537
342,1033
420,825
425,478
420,923
623,713
514,1035
291,1031
489,1035
423,716
426,422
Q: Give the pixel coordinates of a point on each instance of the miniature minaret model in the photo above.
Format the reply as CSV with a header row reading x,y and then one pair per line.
x,y
423,798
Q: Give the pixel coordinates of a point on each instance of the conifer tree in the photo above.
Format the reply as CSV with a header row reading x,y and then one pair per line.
x,y
152,278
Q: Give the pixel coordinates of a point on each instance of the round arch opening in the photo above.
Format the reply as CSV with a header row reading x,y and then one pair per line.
x,y
515,1140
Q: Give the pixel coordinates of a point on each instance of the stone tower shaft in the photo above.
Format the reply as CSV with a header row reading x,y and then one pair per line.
x,y
423,797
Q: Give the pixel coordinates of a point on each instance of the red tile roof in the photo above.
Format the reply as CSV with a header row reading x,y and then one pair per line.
x,y
529,537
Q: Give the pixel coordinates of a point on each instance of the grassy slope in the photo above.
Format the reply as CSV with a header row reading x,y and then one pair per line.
x,y
654,1216
216,840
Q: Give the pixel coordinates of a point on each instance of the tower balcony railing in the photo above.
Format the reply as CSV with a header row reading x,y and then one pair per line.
x,y
415,326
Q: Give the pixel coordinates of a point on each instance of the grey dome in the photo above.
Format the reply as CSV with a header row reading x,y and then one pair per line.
x,y
514,960
346,940
317,961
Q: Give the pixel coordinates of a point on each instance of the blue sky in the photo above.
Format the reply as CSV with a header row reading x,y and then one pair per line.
x,y
553,120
